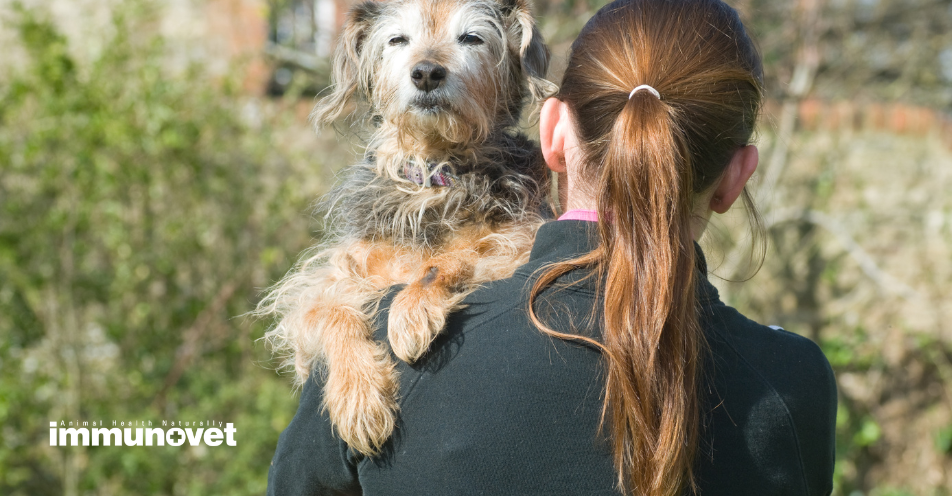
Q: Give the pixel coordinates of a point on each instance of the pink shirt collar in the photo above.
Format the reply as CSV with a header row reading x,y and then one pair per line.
x,y
578,214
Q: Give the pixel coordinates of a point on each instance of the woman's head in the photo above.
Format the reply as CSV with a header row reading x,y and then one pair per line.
x,y
698,57
650,164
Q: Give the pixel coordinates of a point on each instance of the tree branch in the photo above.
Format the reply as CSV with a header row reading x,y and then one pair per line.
x,y
187,350
865,261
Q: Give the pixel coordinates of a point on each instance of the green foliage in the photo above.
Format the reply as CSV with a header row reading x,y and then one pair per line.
x,y
868,433
891,492
134,219
846,351
943,439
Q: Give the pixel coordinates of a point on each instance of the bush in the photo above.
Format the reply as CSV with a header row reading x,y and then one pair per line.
x,y
139,214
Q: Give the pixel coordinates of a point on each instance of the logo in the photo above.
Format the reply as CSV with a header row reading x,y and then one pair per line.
x,y
141,433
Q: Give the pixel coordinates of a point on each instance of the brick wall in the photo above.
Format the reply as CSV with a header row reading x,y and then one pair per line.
x,y
897,118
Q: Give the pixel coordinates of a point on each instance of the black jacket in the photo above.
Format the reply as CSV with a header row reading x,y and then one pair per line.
x,y
497,408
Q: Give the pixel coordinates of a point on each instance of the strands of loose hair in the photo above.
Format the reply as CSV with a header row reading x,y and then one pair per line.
x,y
649,158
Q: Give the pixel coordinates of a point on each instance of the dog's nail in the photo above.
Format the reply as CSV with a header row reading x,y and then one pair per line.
x,y
430,276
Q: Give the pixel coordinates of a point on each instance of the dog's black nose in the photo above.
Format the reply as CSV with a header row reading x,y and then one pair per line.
x,y
427,76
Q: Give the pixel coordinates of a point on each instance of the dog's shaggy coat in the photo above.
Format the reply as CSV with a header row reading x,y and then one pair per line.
x,y
443,83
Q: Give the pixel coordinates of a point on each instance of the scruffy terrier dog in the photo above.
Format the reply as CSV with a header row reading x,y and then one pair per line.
x,y
448,195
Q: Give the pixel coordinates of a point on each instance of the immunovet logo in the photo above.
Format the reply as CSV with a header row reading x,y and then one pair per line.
x,y
63,434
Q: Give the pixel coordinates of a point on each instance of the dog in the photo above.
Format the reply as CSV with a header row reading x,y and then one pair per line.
x,y
448,195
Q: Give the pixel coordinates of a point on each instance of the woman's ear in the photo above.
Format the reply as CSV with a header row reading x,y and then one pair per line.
x,y
552,134
732,182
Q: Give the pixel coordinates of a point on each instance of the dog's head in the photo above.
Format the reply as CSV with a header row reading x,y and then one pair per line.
x,y
438,73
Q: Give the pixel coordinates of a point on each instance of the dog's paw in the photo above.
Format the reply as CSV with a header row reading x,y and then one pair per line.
x,y
360,398
418,314
416,317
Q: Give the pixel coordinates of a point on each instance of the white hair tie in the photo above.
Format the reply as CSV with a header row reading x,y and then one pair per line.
x,y
645,87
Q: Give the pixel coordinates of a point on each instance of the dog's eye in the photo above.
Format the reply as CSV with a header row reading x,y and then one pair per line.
x,y
398,40
470,39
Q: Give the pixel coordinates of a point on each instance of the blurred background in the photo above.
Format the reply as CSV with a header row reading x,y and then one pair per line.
x,y
156,173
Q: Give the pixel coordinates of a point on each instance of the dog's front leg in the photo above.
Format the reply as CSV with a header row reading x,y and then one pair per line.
x,y
419,311
360,390
360,386
475,255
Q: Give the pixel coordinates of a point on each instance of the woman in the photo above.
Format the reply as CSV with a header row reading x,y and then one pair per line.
x,y
641,382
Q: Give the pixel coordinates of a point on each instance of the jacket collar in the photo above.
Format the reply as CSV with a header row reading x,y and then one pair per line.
x,y
562,240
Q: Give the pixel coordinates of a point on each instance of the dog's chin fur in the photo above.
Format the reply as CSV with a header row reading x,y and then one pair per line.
x,y
435,129
428,135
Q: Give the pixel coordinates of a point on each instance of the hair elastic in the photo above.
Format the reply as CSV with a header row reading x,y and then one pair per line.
x,y
644,87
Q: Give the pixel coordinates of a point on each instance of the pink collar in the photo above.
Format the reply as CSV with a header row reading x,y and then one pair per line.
x,y
578,214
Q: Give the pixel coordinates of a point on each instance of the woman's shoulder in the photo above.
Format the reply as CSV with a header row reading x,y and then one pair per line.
x,y
788,362
778,395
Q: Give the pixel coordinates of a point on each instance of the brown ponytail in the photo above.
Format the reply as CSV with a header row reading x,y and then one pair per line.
x,y
648,159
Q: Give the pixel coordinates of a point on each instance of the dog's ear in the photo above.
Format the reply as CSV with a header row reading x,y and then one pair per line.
x,y
533,53
348,77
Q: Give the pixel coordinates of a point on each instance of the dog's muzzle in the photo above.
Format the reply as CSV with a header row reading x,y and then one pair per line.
x,y
428,104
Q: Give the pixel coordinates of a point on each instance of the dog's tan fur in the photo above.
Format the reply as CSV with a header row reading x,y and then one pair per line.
x,y
442,242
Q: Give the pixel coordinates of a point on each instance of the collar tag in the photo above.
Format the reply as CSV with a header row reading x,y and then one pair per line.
x,y
431,175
